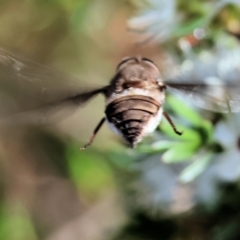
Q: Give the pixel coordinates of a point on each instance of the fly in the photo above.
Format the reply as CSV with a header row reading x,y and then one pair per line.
x,y
134,100
134,97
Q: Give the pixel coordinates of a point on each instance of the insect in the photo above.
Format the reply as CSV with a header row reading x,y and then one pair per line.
x,y
134,97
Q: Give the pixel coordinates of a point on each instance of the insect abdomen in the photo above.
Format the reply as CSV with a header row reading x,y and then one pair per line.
x,y
130,115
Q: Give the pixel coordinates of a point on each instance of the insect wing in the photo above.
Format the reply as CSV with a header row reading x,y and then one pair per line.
x,y
29,90
215,97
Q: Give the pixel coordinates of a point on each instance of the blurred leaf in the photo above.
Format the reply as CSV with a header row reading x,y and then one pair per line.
x,y
71,5
122,159
196,168
158,146
208,130
182,109
89,171
79,14
187,28
182,151
16,224
188,133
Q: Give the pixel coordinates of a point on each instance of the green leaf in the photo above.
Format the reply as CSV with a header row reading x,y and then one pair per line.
x,y
196,168
182,151
182,109
208,128
121,159
79,14
184,29
195,119
16,218
89,170
158,146
188,133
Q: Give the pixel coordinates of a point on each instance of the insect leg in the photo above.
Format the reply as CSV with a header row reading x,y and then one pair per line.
x,y
172,124
94,134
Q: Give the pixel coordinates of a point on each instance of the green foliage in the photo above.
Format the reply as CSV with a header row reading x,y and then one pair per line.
x,y
79,11
15,224
89,171
196,168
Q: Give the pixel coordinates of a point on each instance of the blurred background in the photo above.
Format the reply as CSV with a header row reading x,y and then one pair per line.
x,y
169,187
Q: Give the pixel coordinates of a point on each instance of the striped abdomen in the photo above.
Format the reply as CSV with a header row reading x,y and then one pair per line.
x,y
133,116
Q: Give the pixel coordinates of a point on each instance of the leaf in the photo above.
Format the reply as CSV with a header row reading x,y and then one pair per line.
x,y
196,168
122,159
188,132
158,146
187,28
182,109
208,129
182,151
89,170
16,218
79,13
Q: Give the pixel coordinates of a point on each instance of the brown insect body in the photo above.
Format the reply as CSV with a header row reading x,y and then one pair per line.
x,y
134,99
